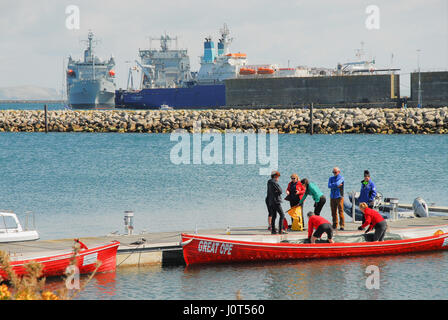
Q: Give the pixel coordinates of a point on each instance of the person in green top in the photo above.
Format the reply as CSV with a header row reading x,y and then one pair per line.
x,y
314,191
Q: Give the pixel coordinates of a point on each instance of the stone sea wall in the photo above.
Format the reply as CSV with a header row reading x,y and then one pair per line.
x,y
327,121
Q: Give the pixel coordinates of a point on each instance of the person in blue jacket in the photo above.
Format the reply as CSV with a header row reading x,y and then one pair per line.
x,y
336,185
368,190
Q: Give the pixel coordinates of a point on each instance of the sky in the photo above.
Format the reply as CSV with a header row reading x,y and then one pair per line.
x,y
35,41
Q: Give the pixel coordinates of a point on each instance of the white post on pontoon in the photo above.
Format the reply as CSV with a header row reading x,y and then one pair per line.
x,y
128,222
394,204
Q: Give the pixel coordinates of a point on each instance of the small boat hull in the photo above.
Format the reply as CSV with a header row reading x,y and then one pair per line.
x,y
384,210
265,71
204,250
247,71
29,235
11,229
56,265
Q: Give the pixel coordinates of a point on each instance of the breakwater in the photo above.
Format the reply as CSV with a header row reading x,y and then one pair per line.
x,y
341,90
326,121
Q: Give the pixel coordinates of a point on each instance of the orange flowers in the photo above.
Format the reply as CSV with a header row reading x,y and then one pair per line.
x,y
4,292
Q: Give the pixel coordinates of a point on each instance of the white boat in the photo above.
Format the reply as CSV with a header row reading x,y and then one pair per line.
x,y
11,230
165,107
389,208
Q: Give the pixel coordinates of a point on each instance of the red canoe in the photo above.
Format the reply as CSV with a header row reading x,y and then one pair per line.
x,y
55,265
209,249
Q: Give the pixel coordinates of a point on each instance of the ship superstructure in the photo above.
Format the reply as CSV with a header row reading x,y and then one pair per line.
x,y
164,68
91,81
167,79
217,66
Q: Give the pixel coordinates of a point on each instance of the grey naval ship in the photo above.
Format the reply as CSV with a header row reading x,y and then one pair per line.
x,y
91,82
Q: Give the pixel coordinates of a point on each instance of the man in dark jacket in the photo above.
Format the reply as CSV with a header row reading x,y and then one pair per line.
x,y
273,201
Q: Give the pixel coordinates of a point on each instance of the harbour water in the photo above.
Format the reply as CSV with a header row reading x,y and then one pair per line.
x,y
32,106
408,277
87,180
79,184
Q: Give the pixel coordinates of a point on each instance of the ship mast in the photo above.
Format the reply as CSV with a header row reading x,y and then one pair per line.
x,y
360,52
164,39
225,40
88,53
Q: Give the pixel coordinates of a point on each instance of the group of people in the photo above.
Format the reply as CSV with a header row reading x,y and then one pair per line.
x,y
297,192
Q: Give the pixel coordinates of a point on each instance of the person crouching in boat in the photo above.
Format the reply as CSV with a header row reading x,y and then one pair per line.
x,y
321,225
374,219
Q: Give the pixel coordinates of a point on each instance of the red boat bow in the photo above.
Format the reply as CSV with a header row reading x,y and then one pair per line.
x,y
55,265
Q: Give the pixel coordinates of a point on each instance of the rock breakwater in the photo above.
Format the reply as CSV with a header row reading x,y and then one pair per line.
x,y
325,121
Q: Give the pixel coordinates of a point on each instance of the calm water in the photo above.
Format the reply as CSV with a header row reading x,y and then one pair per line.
x,y
32,106
413,276
86,181
79,184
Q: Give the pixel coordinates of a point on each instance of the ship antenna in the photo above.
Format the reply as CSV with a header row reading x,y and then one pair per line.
x,y
90,37
224,37
360,52
88,53
90,42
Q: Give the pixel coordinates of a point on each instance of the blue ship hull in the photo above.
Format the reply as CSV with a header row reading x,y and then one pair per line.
x,y
198,96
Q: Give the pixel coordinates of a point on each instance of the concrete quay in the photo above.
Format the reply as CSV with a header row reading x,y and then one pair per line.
x,y
164,248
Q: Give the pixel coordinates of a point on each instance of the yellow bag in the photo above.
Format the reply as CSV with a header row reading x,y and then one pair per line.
x,y
296,215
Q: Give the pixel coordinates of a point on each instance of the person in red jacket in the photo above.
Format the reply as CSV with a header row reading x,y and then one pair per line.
x,y
295,190
373,219
321,225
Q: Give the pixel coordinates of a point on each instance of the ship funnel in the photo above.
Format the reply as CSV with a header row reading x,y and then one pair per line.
x,y
220,48
209,50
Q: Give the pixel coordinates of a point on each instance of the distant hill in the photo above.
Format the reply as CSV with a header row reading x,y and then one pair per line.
x,y
29,93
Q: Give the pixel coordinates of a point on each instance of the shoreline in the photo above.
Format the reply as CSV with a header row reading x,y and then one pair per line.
x,y
292,121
